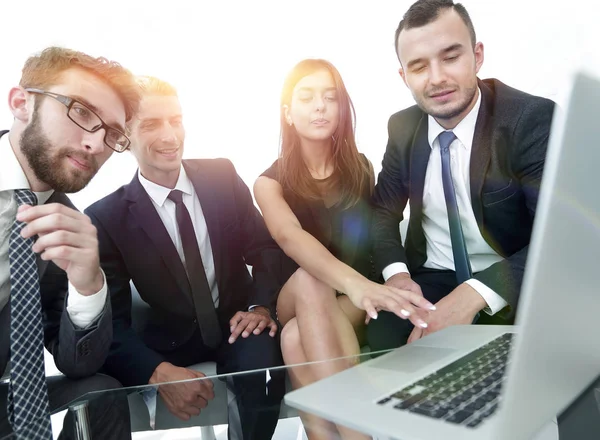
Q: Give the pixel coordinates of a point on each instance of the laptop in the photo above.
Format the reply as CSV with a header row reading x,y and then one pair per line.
x,y
500,382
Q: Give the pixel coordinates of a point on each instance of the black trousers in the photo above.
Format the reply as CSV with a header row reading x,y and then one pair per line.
x,y
258,401
580,421
108,415
389,331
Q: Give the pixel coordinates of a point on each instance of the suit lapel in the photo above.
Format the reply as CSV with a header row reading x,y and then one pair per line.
x,y
481,151
418,167
145,214
205,191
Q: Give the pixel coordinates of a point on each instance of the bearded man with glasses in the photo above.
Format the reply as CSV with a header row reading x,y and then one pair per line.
x,y
70,110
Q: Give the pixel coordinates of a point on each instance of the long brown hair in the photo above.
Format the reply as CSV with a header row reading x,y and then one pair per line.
x,y
351,173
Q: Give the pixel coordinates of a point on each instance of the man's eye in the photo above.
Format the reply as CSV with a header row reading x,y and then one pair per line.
x,y
81,111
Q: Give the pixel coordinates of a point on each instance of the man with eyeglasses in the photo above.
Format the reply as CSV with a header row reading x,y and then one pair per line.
x,y
70,110
84,115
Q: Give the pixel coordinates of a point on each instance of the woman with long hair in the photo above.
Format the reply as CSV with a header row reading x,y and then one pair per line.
x,y
315,201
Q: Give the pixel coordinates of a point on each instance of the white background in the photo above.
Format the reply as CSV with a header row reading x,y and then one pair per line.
x,y
228,60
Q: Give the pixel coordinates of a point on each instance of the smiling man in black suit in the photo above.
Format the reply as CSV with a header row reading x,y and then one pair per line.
x,y
183,232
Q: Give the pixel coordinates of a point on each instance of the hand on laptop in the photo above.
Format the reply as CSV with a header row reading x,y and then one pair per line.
x,y
182,399
254,322
458,307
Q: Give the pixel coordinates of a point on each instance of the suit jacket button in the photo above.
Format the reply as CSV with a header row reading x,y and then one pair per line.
x,y
195,321
173,344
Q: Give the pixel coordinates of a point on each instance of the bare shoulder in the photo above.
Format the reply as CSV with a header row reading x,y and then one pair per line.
x,y
267,186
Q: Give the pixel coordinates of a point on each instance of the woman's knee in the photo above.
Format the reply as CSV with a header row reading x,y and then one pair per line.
x,y
308,289
290,340
290,336
303,291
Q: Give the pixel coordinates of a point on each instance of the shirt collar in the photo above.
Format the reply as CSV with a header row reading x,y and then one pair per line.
x,y
12,175
464,131
159,193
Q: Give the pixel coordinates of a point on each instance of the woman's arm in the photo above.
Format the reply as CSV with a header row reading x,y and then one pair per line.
x,y
313,257
298,244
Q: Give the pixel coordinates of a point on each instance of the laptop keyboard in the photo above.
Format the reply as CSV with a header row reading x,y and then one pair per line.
x,y
464,392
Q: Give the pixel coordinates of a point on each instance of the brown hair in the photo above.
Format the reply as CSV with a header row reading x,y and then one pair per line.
x,y
150,85
351,173
44,69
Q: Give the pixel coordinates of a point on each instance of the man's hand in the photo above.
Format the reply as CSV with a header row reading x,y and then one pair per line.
x,y
405,282
459,307
68,238
246,323
182,399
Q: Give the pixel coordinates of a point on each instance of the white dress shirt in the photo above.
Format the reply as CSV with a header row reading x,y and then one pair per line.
x,y
166,211
435,214
83,310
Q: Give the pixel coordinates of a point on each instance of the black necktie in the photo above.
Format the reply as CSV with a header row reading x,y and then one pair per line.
x,y
29,412
462,265
201,296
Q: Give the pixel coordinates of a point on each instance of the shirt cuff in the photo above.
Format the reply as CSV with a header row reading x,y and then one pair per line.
x,y
495,302
83,310
394,269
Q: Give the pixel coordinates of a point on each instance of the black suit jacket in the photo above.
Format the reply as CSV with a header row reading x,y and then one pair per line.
x,y
77,352
134,245
507,160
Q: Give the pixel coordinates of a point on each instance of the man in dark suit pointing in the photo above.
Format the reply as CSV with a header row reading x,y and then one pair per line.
x,y
469,159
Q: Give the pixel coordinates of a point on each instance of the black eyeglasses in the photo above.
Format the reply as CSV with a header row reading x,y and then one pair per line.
x,y
87,119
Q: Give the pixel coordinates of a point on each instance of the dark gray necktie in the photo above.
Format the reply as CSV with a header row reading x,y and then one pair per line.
x,y
462,264
28,407
201,296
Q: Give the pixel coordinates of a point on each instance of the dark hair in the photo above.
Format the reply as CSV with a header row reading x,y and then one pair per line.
x,y
350,171
423,12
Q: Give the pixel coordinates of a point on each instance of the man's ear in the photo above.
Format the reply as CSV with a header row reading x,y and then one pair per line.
x,y
402,75
20,104
478,56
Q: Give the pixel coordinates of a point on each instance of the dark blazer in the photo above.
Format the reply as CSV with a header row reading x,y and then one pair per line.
x,y
134,245
77,352
507,160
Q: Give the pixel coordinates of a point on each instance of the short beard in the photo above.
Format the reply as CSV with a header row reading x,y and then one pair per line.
x,y
48,167
450,113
